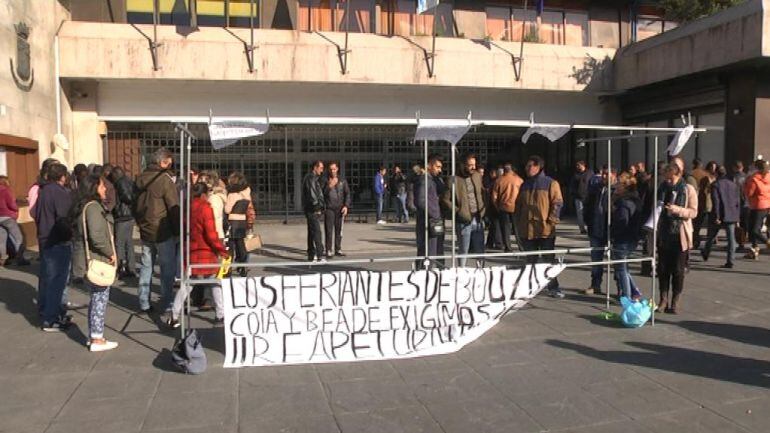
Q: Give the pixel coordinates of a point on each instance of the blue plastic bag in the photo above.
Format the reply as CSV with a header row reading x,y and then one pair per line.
x,y
635,313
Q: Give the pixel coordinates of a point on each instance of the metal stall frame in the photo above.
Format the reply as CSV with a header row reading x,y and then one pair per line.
x,y
608,252
181,125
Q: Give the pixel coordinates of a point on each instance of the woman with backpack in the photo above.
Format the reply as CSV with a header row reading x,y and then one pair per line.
x,y
626,224
240,217
94,228
205,249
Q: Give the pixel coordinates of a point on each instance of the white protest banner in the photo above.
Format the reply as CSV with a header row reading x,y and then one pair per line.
x,y
223,133
451,131
426,5
368,315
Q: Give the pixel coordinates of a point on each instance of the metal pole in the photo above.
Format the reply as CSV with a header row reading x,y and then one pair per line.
x,y
608,253
188,200
182,212
251,22
425,181
655,231
286,170
454,214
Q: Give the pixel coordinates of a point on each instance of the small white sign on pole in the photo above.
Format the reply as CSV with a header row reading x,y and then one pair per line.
x,y
224,133
680,140
451,131
369,315
426,5
552,133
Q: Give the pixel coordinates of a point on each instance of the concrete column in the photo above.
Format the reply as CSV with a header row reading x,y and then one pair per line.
x,y
86,145
762,118
740,118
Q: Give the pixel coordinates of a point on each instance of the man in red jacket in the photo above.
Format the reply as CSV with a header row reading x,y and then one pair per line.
x,y
757,189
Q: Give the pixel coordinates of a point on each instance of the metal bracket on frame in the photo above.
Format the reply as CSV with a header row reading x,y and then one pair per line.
x,y
249,48
430,58
154,42
342,53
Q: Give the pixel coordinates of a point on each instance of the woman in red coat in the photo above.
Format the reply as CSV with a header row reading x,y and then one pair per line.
x,y
205,249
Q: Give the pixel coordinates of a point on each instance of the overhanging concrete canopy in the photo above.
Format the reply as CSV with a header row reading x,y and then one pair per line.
x,y
736,35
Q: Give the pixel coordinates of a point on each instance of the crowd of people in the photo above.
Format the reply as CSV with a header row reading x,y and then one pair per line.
x,y
711,199
86,220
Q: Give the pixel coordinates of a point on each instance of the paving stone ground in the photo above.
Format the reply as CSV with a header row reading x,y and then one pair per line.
x,y
553,366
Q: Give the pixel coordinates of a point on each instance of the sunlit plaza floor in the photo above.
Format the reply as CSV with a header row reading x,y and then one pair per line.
x,y
556,365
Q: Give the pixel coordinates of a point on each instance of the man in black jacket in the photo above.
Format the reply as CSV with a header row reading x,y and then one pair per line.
x,y
397,187
124,222
313,206
337,201
725,213
579,188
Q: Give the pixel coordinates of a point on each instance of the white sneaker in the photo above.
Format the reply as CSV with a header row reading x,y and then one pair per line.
x,y
101,347
381,222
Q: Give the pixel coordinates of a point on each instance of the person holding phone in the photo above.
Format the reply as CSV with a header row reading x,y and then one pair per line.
x,y
680,207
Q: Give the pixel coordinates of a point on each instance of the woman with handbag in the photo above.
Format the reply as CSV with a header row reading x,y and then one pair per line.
x,y
94,226
239,210
205,249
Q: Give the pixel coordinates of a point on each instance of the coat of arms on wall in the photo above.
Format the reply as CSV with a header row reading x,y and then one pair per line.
x,y
23,74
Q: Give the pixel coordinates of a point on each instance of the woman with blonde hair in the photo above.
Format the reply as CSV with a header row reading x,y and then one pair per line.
x,y
240,211
217,198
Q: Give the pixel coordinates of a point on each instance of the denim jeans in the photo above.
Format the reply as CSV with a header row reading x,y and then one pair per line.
x,y
757,219
379,199
166,257
10,230
124,242
626,284
712,235
579,212
470,238
403,213
54,271
597,255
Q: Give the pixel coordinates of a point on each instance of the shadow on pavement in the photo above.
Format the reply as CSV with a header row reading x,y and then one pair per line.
x,y
19,298
716,268
164,362
745,334
601,321
745,371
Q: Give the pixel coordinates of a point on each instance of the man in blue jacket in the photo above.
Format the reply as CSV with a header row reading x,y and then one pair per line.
x,y
379,191
725,213
431,201
54,234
